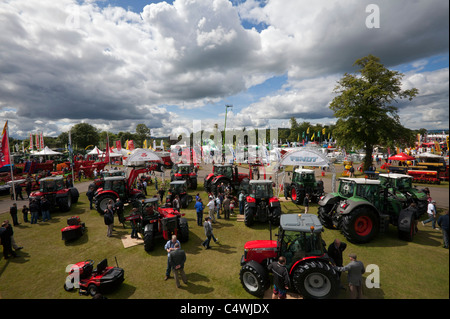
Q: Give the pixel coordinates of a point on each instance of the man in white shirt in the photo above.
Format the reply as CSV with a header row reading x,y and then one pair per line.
x,y
431,211
212,207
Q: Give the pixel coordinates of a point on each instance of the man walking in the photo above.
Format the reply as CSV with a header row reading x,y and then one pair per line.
x,y
177,258
431,211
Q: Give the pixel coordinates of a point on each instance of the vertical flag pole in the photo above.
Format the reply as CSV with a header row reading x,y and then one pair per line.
x,y
11,161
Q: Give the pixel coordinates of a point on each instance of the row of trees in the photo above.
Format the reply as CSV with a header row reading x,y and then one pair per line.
x,y
84,135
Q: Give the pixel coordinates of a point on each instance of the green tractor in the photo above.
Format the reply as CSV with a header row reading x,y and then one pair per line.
x,y
401,185
362,208
303,182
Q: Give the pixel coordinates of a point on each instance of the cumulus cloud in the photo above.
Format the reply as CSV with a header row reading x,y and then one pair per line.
x,y
67,61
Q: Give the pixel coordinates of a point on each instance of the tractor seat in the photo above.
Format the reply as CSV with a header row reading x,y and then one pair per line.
x,y
101,266
86,271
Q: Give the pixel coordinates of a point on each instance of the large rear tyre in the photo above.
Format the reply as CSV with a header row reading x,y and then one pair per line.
x,y
297,195
65,203
149,240
361,225
316,280
102,201
183,230
254,278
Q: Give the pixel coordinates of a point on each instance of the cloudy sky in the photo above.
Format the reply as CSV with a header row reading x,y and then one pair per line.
x,y
115,64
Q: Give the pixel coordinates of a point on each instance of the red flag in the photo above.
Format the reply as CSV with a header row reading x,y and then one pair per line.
x,y
107,149
118,145
31,142
130,145
4,147
41,140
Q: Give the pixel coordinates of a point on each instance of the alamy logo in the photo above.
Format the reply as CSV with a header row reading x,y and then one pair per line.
x,y
373,19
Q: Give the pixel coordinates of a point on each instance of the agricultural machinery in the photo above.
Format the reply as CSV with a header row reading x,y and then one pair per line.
x,y
74,229
54,190
228,176
303,182
401,185
91,281
178,188
299,241
120,187
184,172
261,205
154,222
362,208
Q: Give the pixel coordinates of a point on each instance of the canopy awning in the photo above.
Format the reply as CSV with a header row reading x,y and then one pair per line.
x,y
401,157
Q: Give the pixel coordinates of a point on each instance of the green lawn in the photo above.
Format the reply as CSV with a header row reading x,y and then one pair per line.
x,y
408,270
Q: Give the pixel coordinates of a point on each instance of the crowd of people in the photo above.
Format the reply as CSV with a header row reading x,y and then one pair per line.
x,y
219,206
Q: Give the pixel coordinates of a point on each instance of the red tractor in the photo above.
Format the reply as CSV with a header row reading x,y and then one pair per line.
x,y
185,172
261,205
228,175
54,190
154,222
120,187
299,240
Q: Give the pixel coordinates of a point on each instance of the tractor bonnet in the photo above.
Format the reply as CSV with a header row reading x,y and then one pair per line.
x,y
301,223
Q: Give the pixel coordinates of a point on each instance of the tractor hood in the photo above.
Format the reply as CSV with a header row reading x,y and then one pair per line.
x,y
261,245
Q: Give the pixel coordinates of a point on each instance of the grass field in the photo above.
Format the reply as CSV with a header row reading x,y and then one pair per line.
x,y
408,270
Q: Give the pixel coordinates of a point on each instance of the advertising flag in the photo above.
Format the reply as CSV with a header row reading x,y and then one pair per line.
x,y
31,141
4,147
41,140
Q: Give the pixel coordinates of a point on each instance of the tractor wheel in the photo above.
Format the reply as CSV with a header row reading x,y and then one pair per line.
x,y
101,203
254,278
325,216
276,215
183,230
297,194
361,225
75,195
194,184
406,225
249,213
316,280
65,203
149,240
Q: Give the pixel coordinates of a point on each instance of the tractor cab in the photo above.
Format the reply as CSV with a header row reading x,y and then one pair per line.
x,y
303,181
300,237
116,184
51,184
260,189
302,175
178,187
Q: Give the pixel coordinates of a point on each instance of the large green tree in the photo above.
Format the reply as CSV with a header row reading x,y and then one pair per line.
x,y
365,108
84,134
142,133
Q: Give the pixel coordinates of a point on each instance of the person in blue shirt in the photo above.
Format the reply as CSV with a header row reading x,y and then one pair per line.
x,y
199,208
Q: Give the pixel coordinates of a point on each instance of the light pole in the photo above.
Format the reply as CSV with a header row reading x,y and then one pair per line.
x,y
224,130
